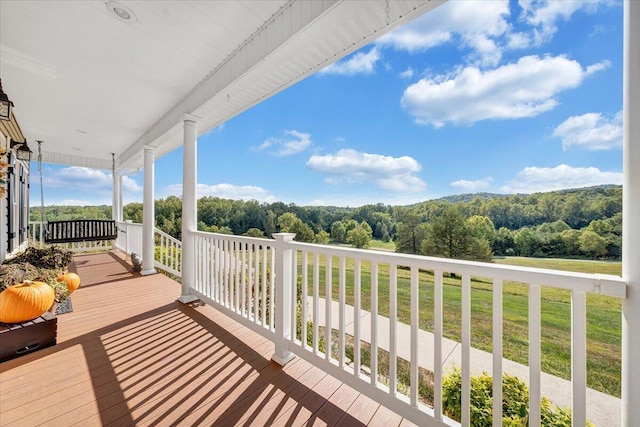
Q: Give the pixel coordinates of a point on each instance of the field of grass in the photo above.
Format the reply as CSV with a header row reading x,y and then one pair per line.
x,y
603,315
379,245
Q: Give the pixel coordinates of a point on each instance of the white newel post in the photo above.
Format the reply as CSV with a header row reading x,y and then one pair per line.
x,y
631,216
284,285
189,206
148,214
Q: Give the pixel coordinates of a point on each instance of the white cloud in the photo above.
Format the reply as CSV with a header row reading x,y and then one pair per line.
x,y
518,41
395,174
591,131
73,202
81,178
216,129
78,177
226,191
534,179
360,63
473,186
543,15
293,142
129,184
599,66
89,187
523,89
407,74
357,200
483,27
476,25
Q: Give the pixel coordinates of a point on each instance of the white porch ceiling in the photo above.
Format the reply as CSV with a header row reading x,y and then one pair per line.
x,y
89,84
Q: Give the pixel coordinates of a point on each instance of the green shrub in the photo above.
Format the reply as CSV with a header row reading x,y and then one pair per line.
x,y
515,402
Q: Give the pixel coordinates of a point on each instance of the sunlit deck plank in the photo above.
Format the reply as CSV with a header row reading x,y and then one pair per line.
x,y
384,417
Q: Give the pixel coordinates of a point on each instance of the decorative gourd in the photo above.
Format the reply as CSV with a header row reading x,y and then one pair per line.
x,y
72,280
25,301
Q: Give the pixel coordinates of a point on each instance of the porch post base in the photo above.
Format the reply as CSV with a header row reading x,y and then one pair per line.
x,y
288,357
186,299
148,272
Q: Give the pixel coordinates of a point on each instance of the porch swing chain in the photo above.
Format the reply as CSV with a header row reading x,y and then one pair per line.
x,y
387,11
42,214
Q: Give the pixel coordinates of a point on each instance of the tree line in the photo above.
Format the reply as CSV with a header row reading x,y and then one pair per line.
x,y
579,223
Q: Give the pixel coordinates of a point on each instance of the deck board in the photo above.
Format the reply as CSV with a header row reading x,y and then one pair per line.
x,y
129,354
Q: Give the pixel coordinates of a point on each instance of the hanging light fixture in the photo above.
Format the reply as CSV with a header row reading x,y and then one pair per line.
x,y
22,152
5,105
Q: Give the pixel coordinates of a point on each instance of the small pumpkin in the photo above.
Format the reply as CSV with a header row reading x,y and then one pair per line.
x,y
25,301
72,280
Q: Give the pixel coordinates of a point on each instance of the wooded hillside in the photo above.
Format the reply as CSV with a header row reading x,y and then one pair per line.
x,y
581,223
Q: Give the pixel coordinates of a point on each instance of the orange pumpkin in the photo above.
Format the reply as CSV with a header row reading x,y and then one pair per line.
x,y
25,301
72,280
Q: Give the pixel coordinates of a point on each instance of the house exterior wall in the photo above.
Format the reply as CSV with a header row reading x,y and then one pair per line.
x,y
14,197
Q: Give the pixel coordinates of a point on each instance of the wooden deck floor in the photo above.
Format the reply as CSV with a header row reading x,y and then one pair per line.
x,y
129,354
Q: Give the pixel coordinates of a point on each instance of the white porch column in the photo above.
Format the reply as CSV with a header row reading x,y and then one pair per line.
x,y
189,206
120,212
148,213
116,207
631,216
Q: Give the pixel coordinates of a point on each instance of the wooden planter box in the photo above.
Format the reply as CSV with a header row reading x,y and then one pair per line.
x,y
18,339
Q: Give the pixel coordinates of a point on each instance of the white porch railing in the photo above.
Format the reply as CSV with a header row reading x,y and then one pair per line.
x,y
168,250
129,237
245,276
168,254
237,273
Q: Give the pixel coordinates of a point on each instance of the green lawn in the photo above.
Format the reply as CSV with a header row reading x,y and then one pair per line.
x,y
379,245
603,315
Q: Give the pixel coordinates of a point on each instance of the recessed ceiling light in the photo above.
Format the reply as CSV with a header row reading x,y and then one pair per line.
x,y
120,11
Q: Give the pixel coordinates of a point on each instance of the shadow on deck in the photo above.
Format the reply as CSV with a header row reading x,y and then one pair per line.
x,y
129,354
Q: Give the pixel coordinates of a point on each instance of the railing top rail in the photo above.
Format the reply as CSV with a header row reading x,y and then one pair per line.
x,y
603,284
38,222
77,220
596,283
167,236
129,224
245,239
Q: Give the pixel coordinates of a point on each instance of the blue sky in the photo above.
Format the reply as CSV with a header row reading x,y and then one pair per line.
x,y
476,96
